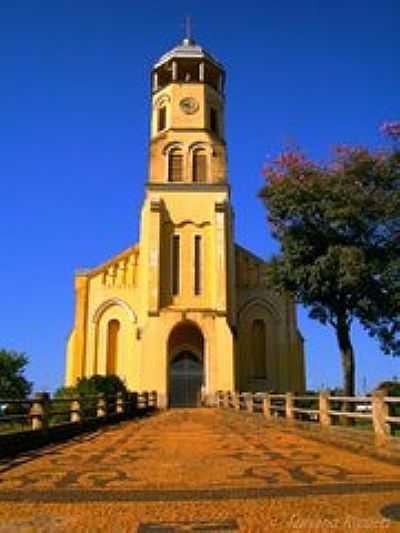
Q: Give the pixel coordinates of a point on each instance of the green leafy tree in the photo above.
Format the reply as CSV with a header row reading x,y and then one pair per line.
x,y
391,388
339,229
108,385
13,383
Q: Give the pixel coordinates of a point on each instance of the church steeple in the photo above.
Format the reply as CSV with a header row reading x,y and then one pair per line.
x,y
187,124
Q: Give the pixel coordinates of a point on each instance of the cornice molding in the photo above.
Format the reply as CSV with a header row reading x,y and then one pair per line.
x,y
188,187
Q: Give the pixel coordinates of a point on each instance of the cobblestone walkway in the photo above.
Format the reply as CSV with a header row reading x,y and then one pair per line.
x,y
197,470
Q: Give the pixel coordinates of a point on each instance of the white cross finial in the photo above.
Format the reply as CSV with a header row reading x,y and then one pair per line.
x,y
188,29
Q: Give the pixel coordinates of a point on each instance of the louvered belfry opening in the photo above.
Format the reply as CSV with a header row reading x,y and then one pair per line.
x,y
175,166
199,166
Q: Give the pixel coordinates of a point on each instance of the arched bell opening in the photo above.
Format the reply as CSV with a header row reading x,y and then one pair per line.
x,y
185,365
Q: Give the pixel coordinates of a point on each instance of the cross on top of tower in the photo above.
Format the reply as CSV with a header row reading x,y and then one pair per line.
x,y
188,40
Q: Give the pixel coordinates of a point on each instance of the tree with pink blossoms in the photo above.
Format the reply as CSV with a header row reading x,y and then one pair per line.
x,y
338,225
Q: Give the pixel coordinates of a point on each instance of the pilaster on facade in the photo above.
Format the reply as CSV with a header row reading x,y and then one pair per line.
x,y
154,236
81,306
220,279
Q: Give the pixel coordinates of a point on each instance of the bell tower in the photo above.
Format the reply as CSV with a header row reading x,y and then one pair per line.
x,y
187,216
186,241
187,119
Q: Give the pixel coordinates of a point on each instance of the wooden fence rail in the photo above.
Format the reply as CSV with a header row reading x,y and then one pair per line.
x,y
42,411
323,408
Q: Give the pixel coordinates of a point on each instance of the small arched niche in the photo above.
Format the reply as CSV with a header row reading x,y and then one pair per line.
x,y
175,165
199,165
113,342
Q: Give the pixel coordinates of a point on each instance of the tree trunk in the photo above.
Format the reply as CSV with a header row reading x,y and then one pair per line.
x,y
347,355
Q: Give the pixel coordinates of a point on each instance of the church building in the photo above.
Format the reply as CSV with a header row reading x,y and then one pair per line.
x,y
186,311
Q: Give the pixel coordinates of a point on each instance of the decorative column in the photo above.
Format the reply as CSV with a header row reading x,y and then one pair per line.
x,y
201,71
221,83
174,70
155,81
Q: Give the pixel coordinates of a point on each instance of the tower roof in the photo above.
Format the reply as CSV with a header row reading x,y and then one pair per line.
x,y
187,49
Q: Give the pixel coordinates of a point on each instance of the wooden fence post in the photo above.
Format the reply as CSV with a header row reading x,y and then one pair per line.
x,y
120,403
324,416
267,405
236,401
226,399
134,403
154,400
39,411
75,411
380,411
289,404
101,406
248,401
145,395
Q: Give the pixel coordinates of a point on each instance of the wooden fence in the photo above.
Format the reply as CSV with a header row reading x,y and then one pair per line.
x,y
33,422
325,409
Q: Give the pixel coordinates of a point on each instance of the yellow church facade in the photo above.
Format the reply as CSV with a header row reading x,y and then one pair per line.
x,y
186,311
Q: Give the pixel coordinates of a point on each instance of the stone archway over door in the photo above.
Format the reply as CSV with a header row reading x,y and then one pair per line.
x,y
185,365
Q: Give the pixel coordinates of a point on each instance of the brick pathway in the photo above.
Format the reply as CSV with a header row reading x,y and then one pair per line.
x,y
197,470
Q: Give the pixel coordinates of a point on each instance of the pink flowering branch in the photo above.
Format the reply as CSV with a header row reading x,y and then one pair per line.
x,y
391,129
294,164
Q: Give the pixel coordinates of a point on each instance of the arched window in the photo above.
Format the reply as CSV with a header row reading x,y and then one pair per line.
x,y
197,265
112,346
258,349
199,165
214,120
162,118
176,264
175,165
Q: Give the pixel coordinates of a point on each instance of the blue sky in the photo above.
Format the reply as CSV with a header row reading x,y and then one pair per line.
x,y
74,125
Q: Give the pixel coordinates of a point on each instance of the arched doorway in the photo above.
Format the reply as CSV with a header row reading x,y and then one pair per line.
x,y
186,368
186,377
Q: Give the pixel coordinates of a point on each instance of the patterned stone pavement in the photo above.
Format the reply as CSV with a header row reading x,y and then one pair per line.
x,y
197,470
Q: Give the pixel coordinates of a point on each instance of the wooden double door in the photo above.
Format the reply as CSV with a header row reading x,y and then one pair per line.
x,y
185,380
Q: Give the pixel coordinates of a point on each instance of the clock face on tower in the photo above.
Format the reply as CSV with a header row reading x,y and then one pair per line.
x,y
189,105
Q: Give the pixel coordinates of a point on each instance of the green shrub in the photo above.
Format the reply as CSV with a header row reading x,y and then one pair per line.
x,y
108,385
87,390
